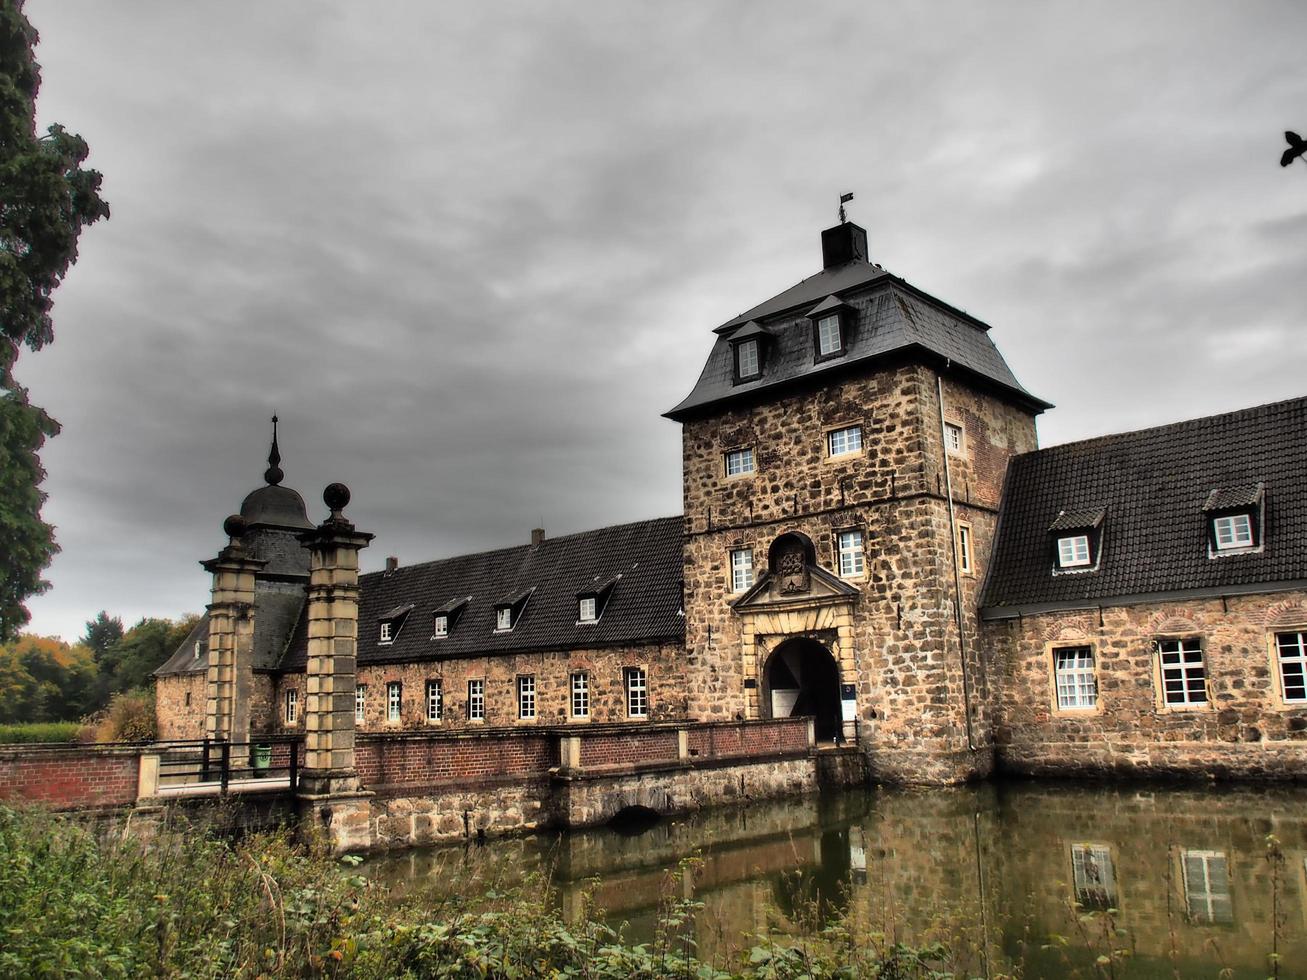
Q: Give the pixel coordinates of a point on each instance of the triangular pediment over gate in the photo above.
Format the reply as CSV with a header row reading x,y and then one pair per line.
x,y
814,586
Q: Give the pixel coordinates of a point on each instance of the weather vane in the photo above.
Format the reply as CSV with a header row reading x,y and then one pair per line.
x,y
844,199
1297,147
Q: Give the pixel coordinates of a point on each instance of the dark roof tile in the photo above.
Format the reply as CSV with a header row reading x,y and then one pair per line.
x,y
1154,484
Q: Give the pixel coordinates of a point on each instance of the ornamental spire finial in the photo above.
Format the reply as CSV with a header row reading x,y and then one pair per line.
x,y
273,473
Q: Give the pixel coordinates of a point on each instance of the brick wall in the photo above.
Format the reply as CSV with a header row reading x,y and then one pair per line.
x,y
444,760
69,777
784,736
628,748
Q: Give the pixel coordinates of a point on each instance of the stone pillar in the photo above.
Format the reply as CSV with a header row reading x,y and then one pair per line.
x,y
328,783
230,678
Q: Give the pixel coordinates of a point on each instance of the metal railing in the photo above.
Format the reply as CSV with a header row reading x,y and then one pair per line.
x,y
202,765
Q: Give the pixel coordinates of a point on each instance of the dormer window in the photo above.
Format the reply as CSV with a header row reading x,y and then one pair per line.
x,y
508,610
444,618
830,340
830,322
389,625
1234,519
1077,540
1073,551
747,352
747,364
592,600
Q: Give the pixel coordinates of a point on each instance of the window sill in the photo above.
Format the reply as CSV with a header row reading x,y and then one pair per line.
x,y
737,477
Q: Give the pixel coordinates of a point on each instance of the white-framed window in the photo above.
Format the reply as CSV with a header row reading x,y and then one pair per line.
x,y
1073,551
637,692
953,438
1291,653
1184,675
741,569
964,549
846,440
394,700
746,360
829,340
1207,886
850,548
739,462
292,705
1233,531
476,700
580,694
587,609
504,618
526,696
386,635
440,626
435,701
360,702
1093,876
1074,679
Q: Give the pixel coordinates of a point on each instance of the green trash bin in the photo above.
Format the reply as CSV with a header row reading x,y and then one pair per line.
x,y
262,760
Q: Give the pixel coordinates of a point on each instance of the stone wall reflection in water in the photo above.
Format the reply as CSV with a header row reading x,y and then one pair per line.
x,y
995,869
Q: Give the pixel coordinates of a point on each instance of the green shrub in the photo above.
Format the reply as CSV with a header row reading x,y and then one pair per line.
x,y
39,731
186,905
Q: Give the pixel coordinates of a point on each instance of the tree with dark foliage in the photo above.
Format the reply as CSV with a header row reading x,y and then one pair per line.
x,y
46,196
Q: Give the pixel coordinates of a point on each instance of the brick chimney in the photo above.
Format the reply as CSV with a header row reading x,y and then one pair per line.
x,y
537,537
845,242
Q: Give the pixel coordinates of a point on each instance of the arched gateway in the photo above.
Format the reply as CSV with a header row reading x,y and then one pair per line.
x,y
802,679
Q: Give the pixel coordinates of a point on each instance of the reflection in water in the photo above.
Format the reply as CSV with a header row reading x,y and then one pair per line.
x,y
997,869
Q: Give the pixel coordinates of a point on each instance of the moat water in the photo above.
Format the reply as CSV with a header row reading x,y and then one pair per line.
x,y
1031,876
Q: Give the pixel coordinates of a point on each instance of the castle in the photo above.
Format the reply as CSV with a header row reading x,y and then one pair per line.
x,y
870,538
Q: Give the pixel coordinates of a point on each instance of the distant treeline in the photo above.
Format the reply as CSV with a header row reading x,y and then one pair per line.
x,y
44,679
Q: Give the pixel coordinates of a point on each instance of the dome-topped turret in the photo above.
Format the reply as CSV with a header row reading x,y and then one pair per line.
x,y
274,505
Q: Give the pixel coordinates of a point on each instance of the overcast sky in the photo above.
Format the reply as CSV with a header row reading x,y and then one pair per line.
x,y
470,252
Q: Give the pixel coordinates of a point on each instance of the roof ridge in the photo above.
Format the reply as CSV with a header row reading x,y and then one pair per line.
x,y
525,547
1250,412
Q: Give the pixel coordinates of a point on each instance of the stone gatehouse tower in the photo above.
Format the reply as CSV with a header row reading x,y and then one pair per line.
x,y
844,452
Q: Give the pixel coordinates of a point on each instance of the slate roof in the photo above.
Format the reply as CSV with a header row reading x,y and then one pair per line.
x,y
184,659
1153,485
889,316
644,606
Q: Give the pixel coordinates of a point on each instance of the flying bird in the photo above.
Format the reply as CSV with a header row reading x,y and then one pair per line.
x,y
1297,147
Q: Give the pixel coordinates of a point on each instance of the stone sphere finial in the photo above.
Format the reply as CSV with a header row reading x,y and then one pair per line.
x,y
234,526
336,496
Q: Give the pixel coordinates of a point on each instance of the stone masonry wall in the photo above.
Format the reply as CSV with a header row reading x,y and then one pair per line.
x,y
179,706
552,671
905,661
1246,728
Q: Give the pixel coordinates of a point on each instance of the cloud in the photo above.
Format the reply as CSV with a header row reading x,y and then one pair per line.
x,y
471,252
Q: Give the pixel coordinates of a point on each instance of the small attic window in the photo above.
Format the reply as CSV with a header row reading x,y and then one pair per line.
x,y
1077,540
444,618
830,322
591,601
391,623
1234,519
747,363
747,352
508,610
